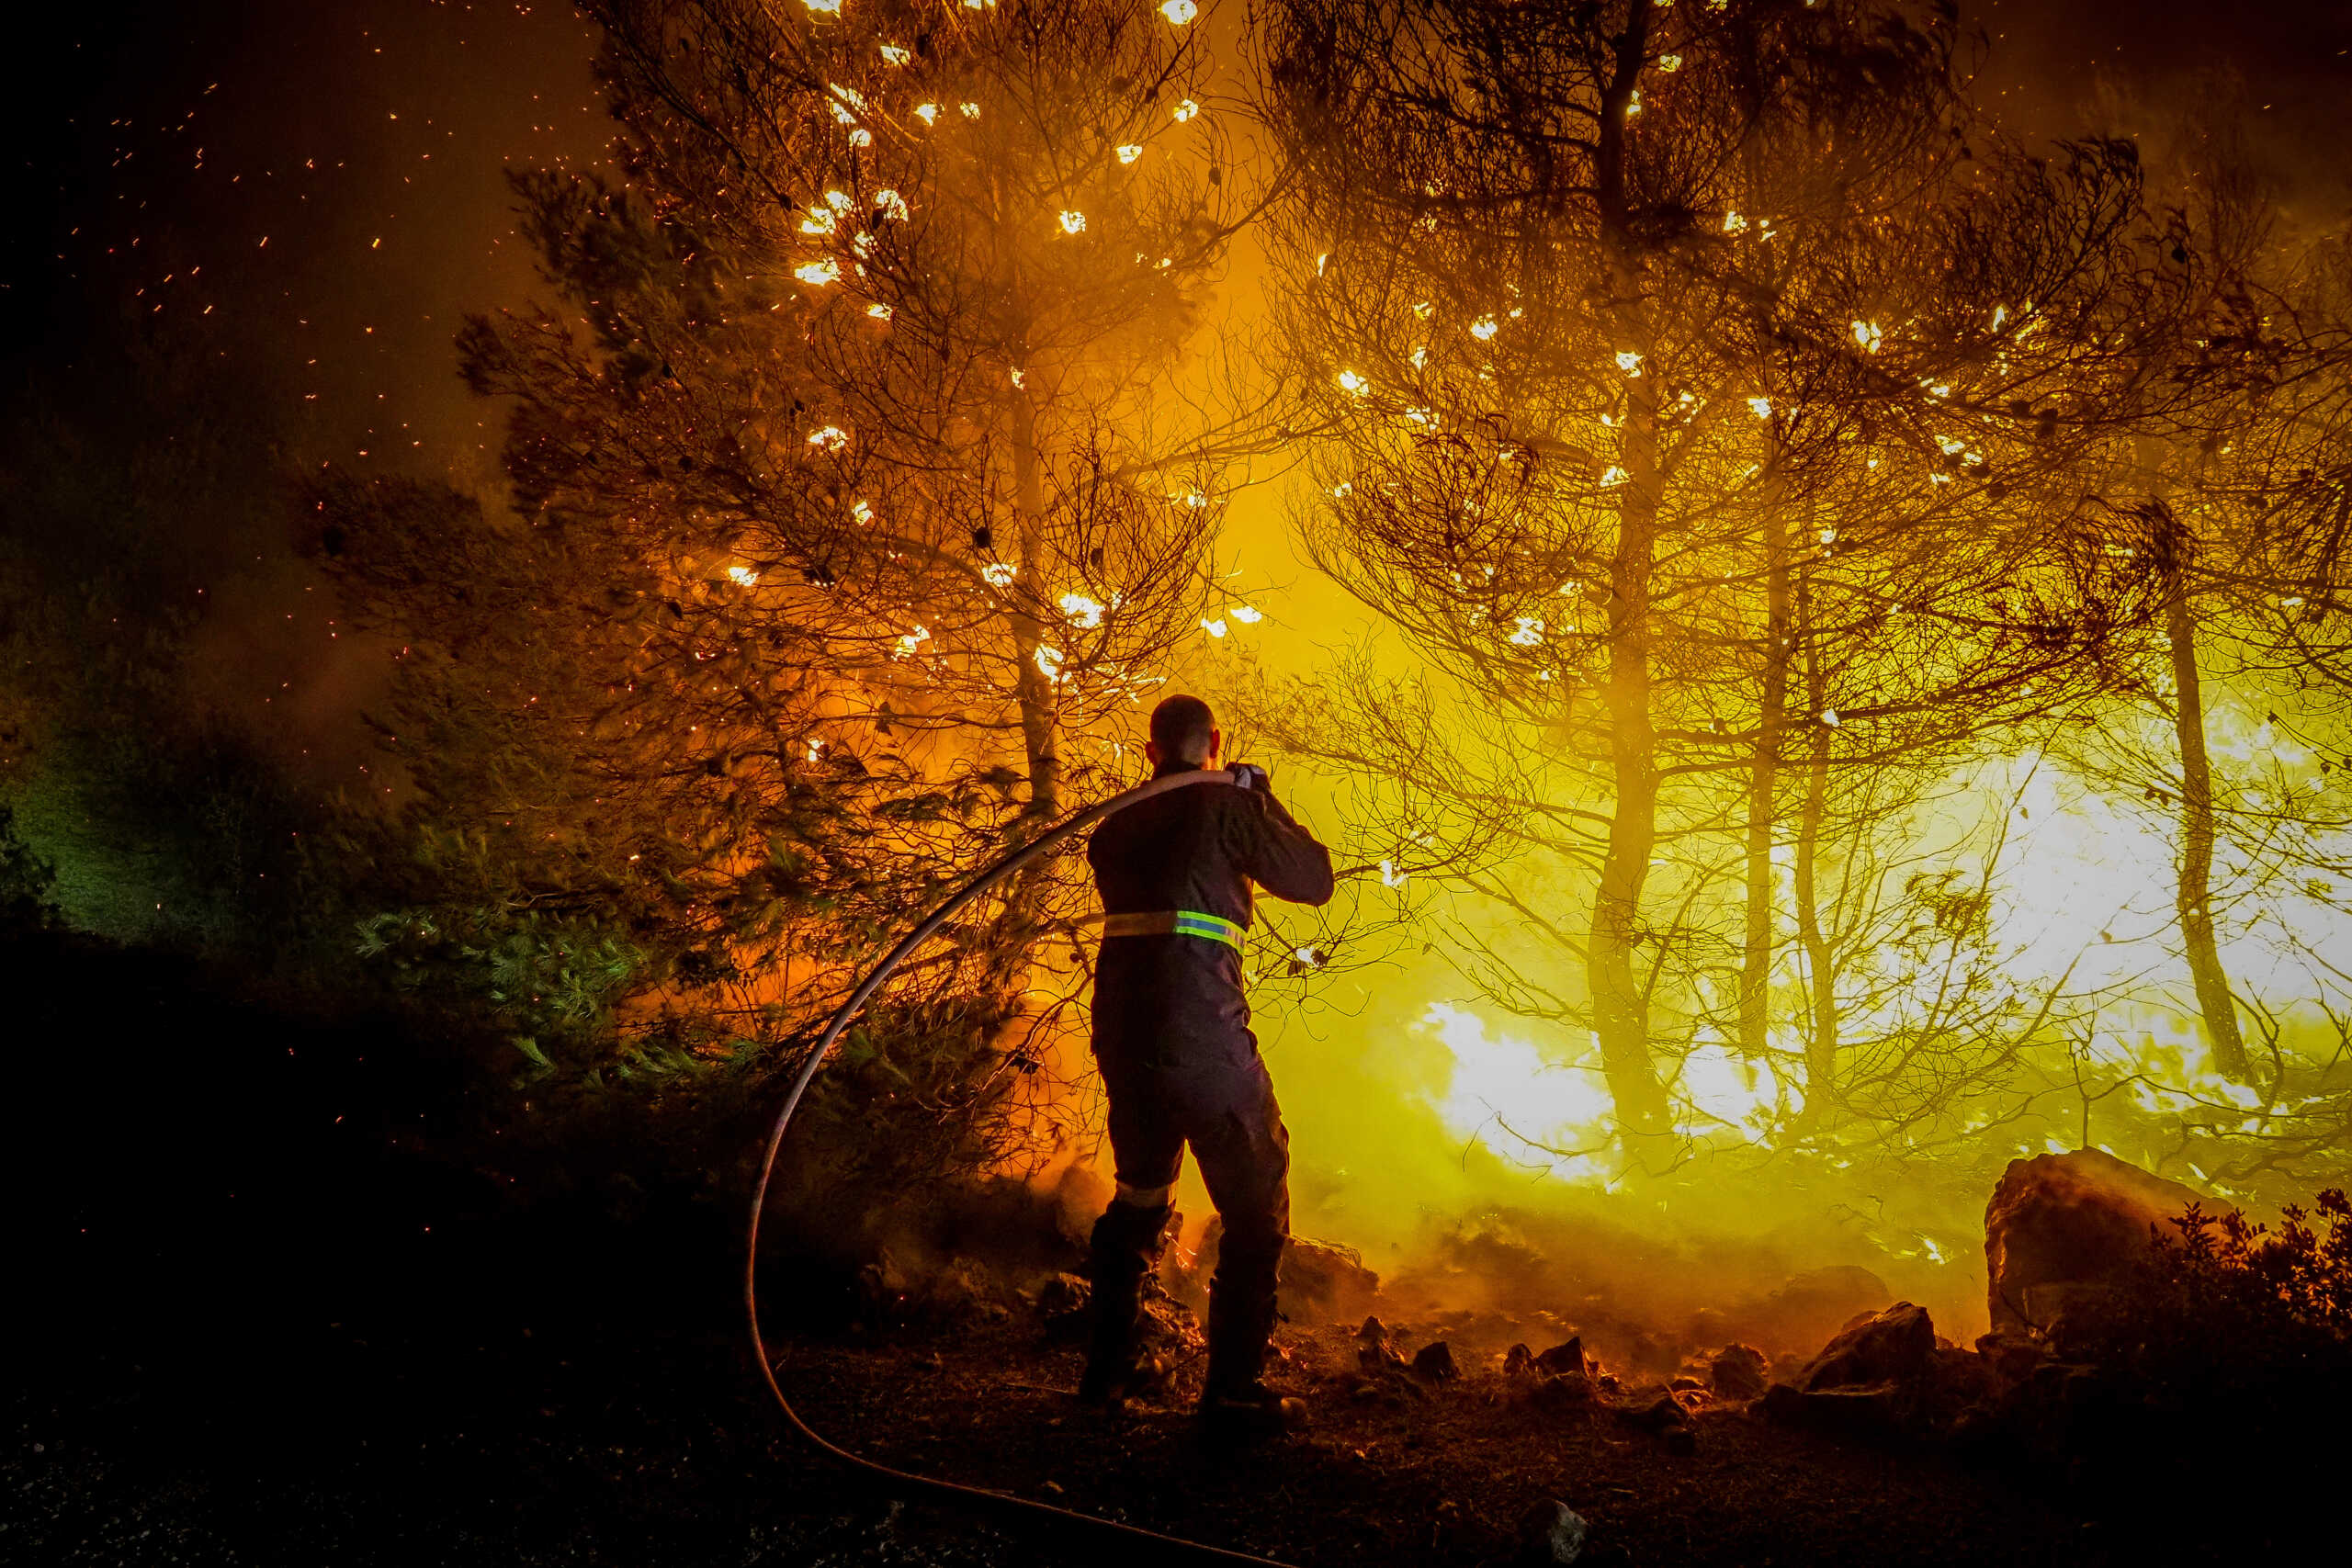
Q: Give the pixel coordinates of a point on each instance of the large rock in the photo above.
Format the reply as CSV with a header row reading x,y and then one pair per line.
x,y
1894,1346
1739,1371
2060,1226
1319,1282
1324,1280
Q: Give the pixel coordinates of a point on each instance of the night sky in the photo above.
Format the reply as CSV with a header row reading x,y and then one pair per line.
x,y
307,198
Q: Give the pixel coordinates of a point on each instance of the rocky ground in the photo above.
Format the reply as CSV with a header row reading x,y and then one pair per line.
x,y
259,1324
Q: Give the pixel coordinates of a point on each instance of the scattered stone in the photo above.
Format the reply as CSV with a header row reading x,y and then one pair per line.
x,y
1062,1292
1739,1373
1685,1385
1374,1329
1566,1357
1551,1532
1168,1326
2061,1227
1518,1361
1890,1345
1435,1363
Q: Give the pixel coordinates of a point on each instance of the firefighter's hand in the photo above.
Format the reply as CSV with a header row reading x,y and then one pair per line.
x,y
1251,777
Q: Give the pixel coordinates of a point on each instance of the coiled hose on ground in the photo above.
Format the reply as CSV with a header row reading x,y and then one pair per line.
x,y
1131,1541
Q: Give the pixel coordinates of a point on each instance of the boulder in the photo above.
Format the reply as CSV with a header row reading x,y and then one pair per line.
x,y
1567,1357
1435,1363
1894,1346
2063,1226
1322,1279
1319,1281
1666,1418
1739,1371
1062,1307
1565,1391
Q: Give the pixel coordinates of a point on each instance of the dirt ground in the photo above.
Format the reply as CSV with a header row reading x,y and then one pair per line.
x,y
257,1326
1438,1476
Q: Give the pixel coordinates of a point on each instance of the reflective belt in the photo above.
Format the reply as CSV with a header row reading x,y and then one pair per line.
x,y
1178,923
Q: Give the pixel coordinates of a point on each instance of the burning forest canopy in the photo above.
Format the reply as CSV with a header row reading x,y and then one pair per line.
x,y
1809,608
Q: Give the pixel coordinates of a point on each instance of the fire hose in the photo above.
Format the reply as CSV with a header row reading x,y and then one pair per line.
x,y
1130,1538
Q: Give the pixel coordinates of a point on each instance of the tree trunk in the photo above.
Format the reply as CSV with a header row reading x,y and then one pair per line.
x,y
2193,897
2192,894
1764,768
1619,1005
1821,962
1033,686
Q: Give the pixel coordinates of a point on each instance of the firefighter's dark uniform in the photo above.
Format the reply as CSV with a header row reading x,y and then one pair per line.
x,y
1172,1035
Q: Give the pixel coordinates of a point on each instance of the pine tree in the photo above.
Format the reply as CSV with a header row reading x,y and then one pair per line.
x,y
840,531
1631,321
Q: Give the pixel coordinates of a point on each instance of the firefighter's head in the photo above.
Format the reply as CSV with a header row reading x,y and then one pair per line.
x,y
1184,735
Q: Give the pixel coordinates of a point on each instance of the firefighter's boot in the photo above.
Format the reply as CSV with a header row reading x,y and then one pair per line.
x,y
1235,1404
1126,1246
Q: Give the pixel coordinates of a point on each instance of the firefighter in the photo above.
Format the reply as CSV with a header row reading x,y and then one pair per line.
x,y
1179,1065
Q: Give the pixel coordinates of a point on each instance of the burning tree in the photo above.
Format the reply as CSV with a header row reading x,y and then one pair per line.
x,y
1700,401
840,525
